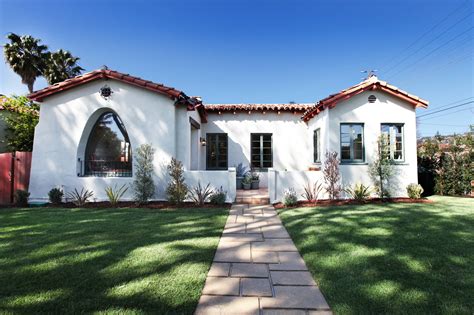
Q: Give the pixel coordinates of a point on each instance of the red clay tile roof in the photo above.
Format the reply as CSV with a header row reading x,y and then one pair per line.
x,y
104,74
290,107
370,84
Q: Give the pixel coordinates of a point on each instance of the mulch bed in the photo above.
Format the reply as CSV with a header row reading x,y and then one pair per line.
x,y
132,204
343,202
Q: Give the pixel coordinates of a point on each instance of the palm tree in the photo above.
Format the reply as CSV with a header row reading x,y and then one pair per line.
x,y
60,66
26,57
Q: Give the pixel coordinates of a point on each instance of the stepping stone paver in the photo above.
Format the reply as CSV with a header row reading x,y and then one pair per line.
x,y
258,270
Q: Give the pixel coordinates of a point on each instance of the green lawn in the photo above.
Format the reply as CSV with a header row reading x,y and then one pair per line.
x,y
105,260
391,258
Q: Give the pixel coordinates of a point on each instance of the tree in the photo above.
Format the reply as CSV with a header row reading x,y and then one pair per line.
x,y
177,189
332,176
26,56
382,168
21,117
143,185
60,66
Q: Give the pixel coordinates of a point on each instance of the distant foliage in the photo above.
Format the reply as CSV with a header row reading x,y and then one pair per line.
x,y
290,198
312,191
21,117
200,194
359,192
414,191
177,189
80,198
143,185
332,176
21,198
218,197
115,194
55,196
382,169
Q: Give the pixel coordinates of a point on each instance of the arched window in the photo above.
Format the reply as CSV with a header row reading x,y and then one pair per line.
x,y
108,152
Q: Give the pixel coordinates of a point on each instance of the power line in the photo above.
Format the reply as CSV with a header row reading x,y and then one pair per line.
x,y
444,115
426,33
432,51
464,126
452,103
432,40
445,109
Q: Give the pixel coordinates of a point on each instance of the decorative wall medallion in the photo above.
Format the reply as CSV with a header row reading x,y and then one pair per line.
x,y
106,92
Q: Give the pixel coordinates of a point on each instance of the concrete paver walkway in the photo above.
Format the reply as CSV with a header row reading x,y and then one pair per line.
x,y
258,270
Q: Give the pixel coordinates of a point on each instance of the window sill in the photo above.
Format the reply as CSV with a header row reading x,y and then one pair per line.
x,y
354,163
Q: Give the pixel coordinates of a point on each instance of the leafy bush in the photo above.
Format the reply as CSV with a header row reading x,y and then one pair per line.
x,y
80,198
143,185
414,191
114,194
218,197
382,168
332,175
177,189
312,191
240,170
359,192
55,196
21,198
199,194
290,198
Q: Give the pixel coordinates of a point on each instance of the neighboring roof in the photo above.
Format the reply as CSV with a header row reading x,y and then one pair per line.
x,y
371,84
290,107
104,74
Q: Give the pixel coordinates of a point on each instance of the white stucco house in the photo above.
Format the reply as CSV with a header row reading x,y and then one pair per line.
x,y
91,125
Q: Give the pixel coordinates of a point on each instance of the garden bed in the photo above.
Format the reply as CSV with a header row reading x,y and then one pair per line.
x,y
343,202
149,205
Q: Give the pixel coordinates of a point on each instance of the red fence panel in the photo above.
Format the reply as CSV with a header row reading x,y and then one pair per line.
x,y
16,177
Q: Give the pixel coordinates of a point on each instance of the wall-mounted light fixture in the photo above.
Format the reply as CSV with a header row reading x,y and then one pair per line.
x,y
202,141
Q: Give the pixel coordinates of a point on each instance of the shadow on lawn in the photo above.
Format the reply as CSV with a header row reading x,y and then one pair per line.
x,y
392,258
70,261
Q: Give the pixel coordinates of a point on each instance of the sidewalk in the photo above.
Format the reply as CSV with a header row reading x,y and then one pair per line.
x,y
258,270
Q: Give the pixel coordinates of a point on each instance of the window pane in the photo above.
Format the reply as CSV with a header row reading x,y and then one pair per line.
x,y
394,140
216,151
261,150
316,146
108,151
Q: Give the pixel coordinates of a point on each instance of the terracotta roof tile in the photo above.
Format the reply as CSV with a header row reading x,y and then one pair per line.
x,y
292,107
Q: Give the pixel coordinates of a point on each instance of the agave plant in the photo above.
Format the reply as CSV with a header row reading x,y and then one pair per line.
x,y
80,198
359,192
114,194
312,191
200,194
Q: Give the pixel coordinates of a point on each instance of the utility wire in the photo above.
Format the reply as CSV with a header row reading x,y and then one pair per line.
x,y
452,103
428,43
426,33
424,119
445,109
432,51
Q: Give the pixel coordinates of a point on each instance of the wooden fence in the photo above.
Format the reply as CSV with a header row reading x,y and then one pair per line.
x,y
14,174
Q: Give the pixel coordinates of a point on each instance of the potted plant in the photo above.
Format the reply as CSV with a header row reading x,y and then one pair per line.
x,y
240,172
255,180
247,182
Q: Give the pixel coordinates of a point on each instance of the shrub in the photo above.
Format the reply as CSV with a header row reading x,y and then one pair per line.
x,y
199,194
332,175
218,197
177,189
382,168
359,192
255,176
240,170
114,194
143,185
80,198
312,191
414,191
289,197
21,198
55,196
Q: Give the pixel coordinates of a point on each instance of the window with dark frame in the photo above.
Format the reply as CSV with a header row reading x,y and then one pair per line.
x,y
316,146
261,150
393,136
352,142
108,151
216,151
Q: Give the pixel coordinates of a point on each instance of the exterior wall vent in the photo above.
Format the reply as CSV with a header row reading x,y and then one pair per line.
x,y
372,98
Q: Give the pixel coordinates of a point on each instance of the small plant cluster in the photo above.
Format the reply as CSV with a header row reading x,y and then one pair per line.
x,y
177,189
414,191
21,198
247,178
202,194
290,198
359,192
312,191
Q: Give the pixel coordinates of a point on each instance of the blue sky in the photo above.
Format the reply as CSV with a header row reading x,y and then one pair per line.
x,y
265,51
